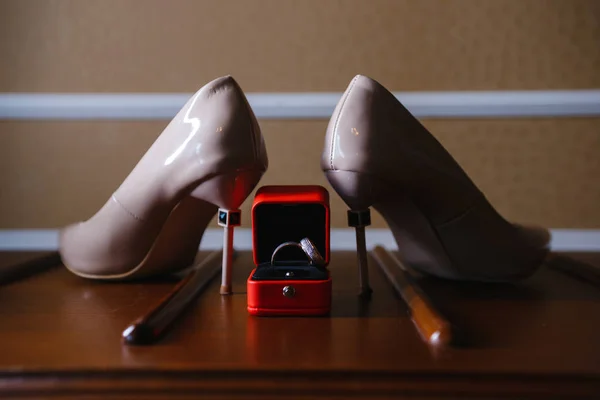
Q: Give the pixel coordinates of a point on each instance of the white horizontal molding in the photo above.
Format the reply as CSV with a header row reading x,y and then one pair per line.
x,y
583,240
161,106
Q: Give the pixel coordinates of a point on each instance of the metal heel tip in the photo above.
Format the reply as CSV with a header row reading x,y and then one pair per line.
x,y
359,219
225,289
228,218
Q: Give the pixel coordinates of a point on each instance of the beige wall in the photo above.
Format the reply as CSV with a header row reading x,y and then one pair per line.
x,y
541,171
298,45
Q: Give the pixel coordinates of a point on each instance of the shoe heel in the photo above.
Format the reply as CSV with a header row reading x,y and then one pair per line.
x,y
412,231
359,220
359,191
228,192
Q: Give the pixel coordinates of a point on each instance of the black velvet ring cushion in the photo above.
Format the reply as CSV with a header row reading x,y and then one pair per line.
x,y
290,270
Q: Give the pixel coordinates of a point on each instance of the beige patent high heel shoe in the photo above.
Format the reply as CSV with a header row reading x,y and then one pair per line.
x,y
377,154
212,154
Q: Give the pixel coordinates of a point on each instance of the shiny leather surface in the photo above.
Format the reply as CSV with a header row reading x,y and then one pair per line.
x,y
215,133
212,149
377,154
373,133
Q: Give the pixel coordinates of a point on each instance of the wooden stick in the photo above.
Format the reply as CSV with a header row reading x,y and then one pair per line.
x,y
429,322
29,267
578,269
150,327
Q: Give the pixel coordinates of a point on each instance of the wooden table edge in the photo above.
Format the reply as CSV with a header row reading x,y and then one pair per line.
x,y
322,383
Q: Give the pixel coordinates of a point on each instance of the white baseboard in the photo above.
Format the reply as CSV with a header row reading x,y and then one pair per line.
x,y
583,240
161,106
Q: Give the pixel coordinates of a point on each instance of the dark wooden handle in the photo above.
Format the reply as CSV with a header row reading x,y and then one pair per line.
x,y
586,272
432,326
150,327
28,267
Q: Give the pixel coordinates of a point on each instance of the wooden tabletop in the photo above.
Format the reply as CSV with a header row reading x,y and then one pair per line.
x,y
60,335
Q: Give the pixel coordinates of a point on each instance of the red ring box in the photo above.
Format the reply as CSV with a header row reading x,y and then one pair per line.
x,y
281,214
